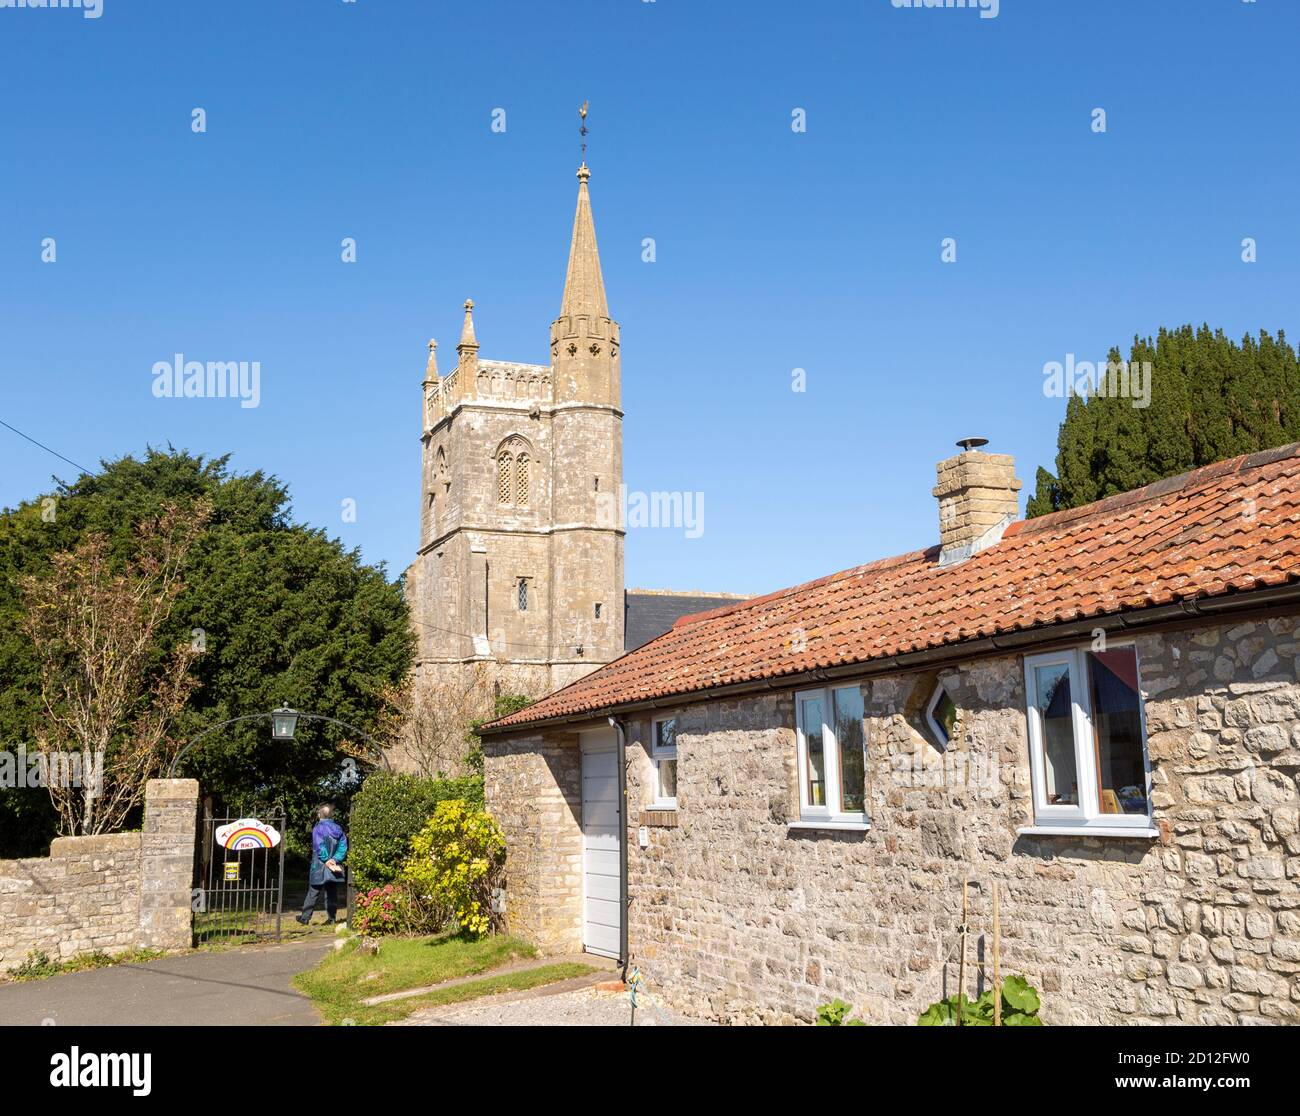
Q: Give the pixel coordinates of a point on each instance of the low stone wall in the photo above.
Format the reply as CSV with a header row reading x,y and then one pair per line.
x,y
112,893
84,896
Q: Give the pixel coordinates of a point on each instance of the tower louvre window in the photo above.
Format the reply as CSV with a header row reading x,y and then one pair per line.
x,y
503,478
521,480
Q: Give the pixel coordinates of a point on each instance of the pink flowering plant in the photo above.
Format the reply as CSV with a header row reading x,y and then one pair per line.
x,y
383,910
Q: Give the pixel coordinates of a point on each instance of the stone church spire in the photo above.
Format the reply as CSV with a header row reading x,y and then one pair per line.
x,y
584,287
584,339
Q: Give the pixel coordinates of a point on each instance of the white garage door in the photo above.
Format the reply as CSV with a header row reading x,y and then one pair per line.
x,y
600,919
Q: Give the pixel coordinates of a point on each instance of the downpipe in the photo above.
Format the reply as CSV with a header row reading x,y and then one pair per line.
x,y
621,732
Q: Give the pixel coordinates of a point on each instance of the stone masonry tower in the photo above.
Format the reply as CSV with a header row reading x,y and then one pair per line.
x,y
519,575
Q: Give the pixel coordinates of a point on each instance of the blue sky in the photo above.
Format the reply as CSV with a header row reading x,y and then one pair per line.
x,y
776,250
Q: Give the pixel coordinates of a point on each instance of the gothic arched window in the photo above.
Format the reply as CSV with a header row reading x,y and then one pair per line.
x,y
504,461
514,457
521,480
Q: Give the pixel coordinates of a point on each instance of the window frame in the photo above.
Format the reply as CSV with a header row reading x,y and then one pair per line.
x,y
1086,815
660,754
824,816
941,737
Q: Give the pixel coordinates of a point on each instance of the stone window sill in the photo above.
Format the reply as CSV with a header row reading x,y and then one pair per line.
x,y
840,826
1135,832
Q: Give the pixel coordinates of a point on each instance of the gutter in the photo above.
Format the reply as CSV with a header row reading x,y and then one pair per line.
x,y
622,845
1180,614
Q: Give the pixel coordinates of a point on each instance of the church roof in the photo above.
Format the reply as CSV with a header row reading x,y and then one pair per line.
x,y
1217,539
649,613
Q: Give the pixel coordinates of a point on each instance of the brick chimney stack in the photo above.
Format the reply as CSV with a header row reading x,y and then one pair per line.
x,y
978,497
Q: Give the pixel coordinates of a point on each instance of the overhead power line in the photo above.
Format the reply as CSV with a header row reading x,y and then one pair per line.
x,y
47,449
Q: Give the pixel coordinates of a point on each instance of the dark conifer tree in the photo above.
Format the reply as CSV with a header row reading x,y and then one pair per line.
x,y
1211,398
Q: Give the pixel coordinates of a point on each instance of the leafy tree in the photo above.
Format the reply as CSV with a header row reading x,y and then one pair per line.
x,y
94,632
1210,399
281,612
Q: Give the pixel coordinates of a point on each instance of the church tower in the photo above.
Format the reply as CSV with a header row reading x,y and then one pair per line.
x,y
519,575
587,554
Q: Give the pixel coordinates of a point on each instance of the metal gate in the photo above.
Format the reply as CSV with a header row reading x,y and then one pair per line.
x,y
239,879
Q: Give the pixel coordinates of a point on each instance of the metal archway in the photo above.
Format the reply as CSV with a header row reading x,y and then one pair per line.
x,y
375,746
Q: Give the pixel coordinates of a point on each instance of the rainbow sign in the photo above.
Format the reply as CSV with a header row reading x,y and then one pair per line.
x,y
247,833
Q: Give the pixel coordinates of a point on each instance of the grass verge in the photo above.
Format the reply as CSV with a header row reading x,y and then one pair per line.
x,y
340,983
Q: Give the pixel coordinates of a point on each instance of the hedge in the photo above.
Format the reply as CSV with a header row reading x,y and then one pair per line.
x,y
388,811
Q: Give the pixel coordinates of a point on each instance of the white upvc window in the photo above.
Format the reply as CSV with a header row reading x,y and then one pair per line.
x,y
1087,740
663,753
832,756
941,717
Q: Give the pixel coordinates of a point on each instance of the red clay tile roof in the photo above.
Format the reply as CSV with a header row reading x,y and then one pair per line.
x,y
1222,529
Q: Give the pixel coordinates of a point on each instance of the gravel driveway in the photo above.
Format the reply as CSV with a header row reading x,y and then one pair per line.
x,y
582,1008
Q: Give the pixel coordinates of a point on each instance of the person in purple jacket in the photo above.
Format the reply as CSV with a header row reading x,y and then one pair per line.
x,y
329,848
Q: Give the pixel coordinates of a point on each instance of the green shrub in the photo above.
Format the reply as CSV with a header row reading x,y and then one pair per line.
x,y
1020,1004
387,812
456,862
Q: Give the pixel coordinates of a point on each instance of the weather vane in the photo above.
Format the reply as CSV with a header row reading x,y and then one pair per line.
x,y
582,129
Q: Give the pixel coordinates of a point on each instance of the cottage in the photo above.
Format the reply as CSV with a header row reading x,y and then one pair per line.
x,y
1096,711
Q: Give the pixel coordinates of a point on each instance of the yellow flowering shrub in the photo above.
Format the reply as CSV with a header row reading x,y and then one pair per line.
x,y
456,861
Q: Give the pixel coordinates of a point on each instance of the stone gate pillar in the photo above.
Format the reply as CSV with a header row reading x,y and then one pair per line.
x,y
167,863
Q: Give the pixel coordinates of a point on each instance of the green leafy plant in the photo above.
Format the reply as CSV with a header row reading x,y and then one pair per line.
x,y
36,964
835,1014
387,812
1020,1004
456,862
